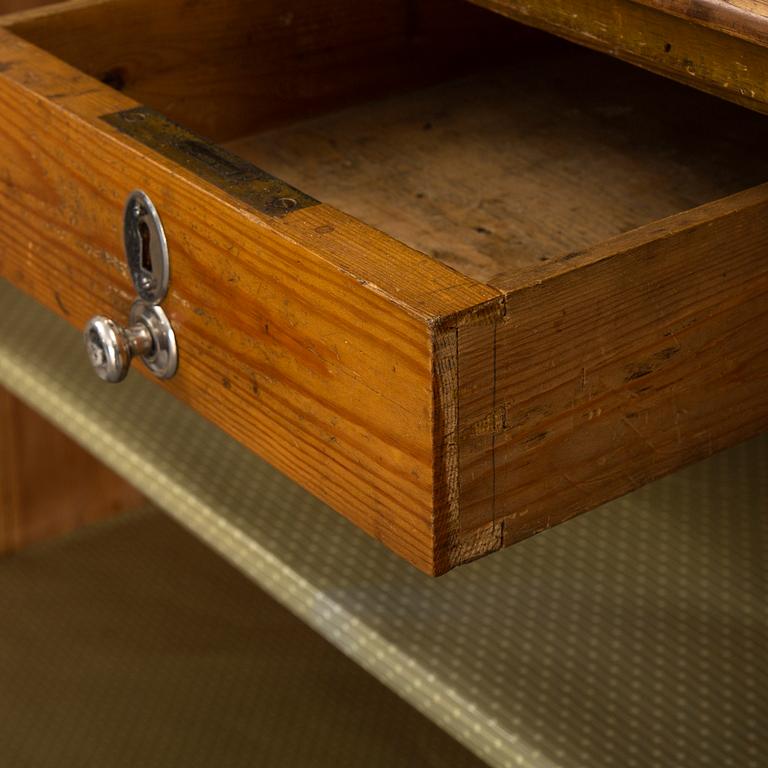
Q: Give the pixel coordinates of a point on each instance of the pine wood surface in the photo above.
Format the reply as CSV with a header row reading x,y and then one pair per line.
x,y
614,366
307,337
49,485
445,416
519,164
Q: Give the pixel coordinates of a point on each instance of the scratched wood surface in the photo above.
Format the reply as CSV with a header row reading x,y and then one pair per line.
x,y
49,485
307,336
703,43
522,163
615,366
444,415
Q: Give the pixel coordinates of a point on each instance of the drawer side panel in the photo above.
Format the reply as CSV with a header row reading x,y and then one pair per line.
x,y
616,366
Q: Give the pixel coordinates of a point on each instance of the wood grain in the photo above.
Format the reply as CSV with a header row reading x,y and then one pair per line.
x,y
485,174
677,45
615,366
49,485
232,66
307,337
744,18
444,416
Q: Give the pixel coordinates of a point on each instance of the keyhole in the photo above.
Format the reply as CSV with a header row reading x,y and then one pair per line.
x,y
146,253
145,248
145,256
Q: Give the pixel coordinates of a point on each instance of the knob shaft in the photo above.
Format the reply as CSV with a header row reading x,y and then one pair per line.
x,y
112,347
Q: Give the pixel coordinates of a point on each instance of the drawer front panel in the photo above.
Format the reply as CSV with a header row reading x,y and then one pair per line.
x,y
297,333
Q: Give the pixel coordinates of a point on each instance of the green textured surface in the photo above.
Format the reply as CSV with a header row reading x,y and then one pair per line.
x,y
634,635
132,645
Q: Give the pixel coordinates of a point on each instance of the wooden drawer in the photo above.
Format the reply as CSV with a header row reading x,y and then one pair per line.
x,y
528,288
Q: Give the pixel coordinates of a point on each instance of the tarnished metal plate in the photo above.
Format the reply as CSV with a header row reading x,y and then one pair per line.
x,y
210,162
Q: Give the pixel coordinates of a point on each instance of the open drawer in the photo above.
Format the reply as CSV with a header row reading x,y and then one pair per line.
x,y
519,279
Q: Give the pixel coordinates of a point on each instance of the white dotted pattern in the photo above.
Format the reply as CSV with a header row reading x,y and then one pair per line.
x,y
631,636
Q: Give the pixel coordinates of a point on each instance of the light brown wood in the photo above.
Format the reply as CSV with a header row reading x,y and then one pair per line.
x,y
681,45
523,163
614,366
307,337
233,66
440,414
49,485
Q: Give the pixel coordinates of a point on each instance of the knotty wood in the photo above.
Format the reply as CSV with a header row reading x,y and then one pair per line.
x,y
49,485
523,163
230,66
308,338
615,366
710,56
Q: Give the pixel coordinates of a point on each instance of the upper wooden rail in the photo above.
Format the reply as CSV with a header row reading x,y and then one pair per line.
x,y
747,19
715,46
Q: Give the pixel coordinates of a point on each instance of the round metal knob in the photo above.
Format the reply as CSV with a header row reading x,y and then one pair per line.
x,y
111,348
149,335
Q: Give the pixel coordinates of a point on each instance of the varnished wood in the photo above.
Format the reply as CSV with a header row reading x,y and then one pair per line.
x,y
713,54
307,337
49,485
523,163
614,366
439,413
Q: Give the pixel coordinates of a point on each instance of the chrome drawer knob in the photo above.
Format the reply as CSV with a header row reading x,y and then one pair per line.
x,y
149,336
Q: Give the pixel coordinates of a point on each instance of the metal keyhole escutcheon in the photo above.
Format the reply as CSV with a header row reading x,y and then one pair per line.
x,y
146,248
148,334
